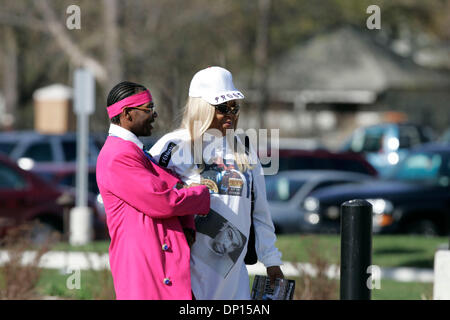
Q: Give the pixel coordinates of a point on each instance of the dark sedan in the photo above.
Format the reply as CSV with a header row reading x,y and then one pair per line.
x,y
296,159
64,176
26,197
415,199
288,192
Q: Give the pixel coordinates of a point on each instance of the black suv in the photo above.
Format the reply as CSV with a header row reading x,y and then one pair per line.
x,y
415,199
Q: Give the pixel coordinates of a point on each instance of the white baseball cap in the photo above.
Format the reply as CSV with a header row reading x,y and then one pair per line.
x,y
214,85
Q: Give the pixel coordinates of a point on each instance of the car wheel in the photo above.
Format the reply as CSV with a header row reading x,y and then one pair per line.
x,y
423,227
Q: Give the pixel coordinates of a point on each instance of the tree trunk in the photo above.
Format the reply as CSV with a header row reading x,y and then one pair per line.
x,y
10,82
75,53
261,55
112,49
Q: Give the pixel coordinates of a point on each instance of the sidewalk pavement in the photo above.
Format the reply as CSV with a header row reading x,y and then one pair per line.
x,y
89,260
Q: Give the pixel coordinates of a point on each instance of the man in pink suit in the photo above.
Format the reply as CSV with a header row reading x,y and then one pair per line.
x,y
147,211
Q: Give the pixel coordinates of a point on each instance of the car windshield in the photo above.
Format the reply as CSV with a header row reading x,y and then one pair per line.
x,y
70,150
6,147
369,140
282,188
424,167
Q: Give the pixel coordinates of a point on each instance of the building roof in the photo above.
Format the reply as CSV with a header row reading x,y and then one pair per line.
x,y
347,59
53,92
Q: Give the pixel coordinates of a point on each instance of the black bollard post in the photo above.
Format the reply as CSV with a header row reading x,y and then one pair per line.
x,y
356,249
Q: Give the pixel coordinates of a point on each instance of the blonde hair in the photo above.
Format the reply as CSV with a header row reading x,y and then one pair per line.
x,y
198,111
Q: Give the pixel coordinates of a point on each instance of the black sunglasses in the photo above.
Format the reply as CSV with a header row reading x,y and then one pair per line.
x,y
148,109
224,109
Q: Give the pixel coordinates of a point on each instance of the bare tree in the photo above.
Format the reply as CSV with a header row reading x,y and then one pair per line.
x,y
261,55
111,39
162,43
10,76
68,46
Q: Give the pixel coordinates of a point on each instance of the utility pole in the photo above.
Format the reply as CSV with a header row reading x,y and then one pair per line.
x,y
81,226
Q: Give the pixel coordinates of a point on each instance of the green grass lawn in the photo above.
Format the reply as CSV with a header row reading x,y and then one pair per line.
x,y
389,290
98,285
93,285
388,251
394,290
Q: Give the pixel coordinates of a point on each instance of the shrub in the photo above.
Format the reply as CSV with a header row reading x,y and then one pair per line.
x,y
20,272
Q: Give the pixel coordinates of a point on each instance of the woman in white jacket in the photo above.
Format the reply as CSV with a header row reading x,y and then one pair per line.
x,y
206,151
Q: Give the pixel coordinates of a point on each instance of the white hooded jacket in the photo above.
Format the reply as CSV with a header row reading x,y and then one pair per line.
x,y
218,270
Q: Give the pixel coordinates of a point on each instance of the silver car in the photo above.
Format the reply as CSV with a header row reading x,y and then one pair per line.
x,y
288,195
31,149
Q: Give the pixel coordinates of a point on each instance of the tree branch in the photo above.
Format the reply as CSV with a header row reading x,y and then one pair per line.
x,y
74,52
112,48
13,20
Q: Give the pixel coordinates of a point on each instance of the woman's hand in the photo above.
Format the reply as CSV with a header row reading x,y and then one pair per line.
x,y
273,273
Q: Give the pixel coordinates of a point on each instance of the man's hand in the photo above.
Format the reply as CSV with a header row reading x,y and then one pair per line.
x,y
193,184
273,273
185,186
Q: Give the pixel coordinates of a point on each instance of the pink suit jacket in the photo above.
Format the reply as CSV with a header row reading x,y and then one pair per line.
x,y
149,255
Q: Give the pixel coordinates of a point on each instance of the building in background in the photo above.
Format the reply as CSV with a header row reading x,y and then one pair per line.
x,y
53,112
344,79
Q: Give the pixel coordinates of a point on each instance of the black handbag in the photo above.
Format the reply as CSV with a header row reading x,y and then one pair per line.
x,y
251,257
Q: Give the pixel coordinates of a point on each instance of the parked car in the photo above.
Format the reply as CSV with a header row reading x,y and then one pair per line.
x,y
292,159
415,199
385,145
26,197
287,191
64,175
445,137
30,148
298,144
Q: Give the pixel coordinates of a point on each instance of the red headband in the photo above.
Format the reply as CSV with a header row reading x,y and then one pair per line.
x,y
131,101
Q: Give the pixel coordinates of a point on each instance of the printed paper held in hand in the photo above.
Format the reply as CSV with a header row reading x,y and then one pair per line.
x,y
283,290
